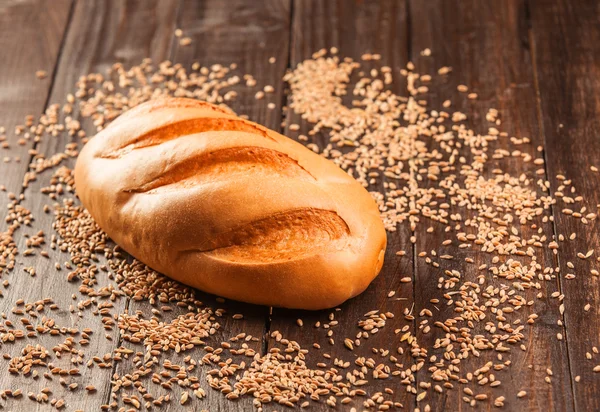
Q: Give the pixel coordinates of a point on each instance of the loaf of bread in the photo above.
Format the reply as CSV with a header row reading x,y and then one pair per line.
x,y
230,207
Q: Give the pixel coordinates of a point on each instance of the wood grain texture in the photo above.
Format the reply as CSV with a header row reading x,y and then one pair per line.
x,y
485,43
349,26
100,34
40,28
537,61
566,46
246,33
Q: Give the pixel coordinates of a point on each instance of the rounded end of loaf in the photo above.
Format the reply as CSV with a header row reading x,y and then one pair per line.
x,y
317,282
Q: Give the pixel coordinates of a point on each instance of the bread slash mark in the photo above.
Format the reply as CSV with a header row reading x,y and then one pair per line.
x,y
281,237
186,127
170,103
211,166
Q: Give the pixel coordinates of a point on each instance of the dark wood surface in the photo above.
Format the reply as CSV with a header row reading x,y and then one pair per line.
x,y
536,61
487,48
566,58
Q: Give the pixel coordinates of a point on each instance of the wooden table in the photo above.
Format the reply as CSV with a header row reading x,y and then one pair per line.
x,y
537,61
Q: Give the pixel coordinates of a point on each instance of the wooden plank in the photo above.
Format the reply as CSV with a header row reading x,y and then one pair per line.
x,y
566,46
486,46
41,30
100,34
247,33
40,27
355,28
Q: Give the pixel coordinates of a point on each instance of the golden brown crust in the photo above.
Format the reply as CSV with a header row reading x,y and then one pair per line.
x,y
230,207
